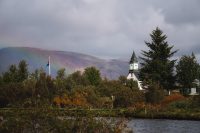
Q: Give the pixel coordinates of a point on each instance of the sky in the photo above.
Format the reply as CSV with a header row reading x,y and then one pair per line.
x,y
109,29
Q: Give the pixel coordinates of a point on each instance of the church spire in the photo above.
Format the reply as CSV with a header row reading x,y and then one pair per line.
x,y
134,70
133,58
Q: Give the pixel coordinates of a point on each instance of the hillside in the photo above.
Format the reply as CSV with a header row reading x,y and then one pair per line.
x,y
71,61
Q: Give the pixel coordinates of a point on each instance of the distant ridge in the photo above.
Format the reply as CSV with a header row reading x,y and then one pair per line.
x,y
71,61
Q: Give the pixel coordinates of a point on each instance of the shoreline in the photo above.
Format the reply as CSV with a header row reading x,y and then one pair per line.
x,y
169,115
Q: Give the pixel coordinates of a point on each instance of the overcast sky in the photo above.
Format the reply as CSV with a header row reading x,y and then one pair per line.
x,y
103,28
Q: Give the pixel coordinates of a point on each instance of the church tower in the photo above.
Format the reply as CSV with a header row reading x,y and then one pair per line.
x,y
133,64
134,70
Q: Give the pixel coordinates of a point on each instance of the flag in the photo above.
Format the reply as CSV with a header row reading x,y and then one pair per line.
x,y
47,64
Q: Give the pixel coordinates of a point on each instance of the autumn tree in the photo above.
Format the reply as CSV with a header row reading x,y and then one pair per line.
x,y
156,63
90,94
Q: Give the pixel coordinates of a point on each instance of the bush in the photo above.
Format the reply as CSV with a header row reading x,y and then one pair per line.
x,y
154,94
108,88
79,97
92,75
127,97
179,104
195,102
172,98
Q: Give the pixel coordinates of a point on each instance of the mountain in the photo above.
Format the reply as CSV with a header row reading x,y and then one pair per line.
x,y
71,61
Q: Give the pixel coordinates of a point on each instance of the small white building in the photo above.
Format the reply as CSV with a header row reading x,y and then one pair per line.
x,y
134,70
195,90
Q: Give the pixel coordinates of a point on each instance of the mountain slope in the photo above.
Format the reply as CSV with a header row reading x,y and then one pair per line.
x,y
71,61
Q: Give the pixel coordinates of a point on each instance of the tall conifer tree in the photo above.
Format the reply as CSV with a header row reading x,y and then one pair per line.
x,y
187,71
156,63
22,70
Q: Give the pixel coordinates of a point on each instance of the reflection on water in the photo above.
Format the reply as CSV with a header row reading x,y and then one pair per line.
x,y
164,126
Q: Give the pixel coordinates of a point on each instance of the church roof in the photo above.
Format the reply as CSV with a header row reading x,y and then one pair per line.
x,y
133,58
136,74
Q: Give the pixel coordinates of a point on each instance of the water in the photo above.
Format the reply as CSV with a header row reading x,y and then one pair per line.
x,y
163,126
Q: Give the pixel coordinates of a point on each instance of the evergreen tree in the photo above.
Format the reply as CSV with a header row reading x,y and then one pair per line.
x,y
51,87
22,70
11,75
1,80
15,74
92,75
187,70
60,82
155,94
41,90
156,63
36,74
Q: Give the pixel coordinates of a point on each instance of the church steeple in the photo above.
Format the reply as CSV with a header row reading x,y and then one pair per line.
x,y
134,70
133,58
133,63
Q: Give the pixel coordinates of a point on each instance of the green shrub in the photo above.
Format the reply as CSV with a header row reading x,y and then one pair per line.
x,y
126,97
154,94
195,101
180,104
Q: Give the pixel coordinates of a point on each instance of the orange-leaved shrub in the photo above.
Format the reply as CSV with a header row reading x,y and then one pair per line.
x,y
172,98
77,100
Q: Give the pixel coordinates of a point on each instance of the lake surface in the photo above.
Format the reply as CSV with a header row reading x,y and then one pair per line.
x,y
163,126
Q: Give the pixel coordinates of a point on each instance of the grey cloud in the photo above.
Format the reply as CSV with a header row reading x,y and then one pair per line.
x,y
194,49
179,12
104,28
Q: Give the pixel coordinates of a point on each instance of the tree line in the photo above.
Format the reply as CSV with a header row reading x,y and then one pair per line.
x,y
159,67
159,73
20,88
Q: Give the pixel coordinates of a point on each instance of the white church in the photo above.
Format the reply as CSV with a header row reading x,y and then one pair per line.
x,y
134,71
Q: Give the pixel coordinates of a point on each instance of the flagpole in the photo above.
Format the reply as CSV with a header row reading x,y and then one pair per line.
x,y
49,67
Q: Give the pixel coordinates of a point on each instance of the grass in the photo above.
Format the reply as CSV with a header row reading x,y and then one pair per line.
x,y
135,113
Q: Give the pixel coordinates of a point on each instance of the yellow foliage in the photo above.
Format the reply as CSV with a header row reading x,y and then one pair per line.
x,y
77,99
62,100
